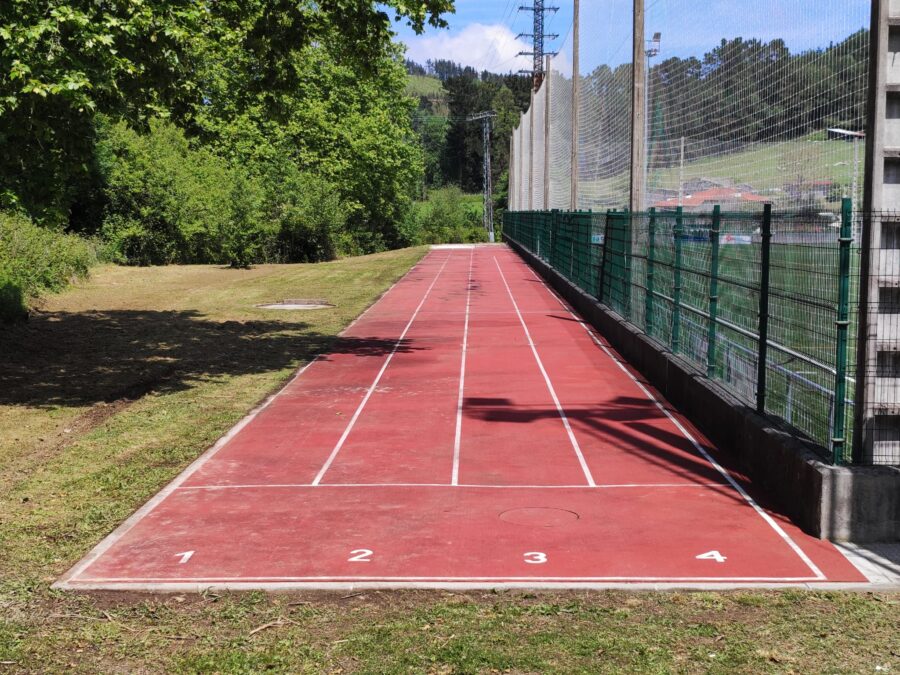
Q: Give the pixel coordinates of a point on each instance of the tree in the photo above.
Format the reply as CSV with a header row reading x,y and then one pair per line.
x,y
64,61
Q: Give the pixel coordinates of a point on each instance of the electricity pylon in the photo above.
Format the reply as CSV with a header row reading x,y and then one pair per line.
x,y
537,38
485,118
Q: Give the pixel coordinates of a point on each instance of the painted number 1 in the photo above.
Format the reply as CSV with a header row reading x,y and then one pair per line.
x,y
360,555
535,557
184,557
712,555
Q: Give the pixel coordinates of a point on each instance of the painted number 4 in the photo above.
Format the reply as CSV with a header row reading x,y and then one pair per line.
x,y
712,555
187,555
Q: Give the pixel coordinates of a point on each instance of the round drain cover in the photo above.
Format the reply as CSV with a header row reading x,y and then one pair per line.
x,y
539,516
298,303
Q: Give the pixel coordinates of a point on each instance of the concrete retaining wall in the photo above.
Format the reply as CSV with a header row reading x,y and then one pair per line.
x,y
860,504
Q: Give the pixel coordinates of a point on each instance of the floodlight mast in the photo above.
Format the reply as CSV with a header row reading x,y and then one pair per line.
x,y
486,118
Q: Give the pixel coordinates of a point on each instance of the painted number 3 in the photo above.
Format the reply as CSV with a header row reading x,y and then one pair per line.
x,y
535,557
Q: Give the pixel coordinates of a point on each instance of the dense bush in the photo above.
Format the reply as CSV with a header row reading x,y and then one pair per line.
x,y
449,216
34,260
169,202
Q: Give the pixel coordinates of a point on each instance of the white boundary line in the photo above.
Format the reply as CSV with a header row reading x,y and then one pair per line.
x,y
725,474
384,366
599,486
457,440
719,585
559,408
338,578
65,581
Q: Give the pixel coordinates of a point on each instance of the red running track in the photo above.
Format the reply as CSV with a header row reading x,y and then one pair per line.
x,y
467,430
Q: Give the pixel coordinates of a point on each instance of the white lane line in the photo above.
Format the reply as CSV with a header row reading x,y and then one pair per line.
x,y
462,377
599,486
559,408
700,449
387,362
195,466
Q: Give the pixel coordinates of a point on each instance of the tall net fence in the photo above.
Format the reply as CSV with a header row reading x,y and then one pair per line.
x,y
765,112
745,104
538,141
525,163
604,105
560,133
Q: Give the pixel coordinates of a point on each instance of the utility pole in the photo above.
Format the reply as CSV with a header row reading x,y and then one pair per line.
x,y
486,118
638,111
537,37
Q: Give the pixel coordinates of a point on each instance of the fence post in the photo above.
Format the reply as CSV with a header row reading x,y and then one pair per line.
x,y
766,231
573,154
629,226
838,440
651,261
603,256
676,286
713,292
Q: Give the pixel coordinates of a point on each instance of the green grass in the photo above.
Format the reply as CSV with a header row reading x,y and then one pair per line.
x,y
766,168
119,383
422,85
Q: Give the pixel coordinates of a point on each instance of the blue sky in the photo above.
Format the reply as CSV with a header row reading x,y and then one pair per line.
x,y
482,32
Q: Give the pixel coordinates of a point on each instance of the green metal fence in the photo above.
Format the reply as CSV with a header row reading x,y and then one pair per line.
x,y
759,302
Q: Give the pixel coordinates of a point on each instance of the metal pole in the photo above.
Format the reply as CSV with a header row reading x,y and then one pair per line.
x,y
843,326
626,272
713,292
603,256
576,85
676,286
765,254
488,187
638,113
651,261
546,167
510,189
530,186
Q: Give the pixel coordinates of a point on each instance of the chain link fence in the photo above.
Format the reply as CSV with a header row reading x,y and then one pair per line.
x,y
759,302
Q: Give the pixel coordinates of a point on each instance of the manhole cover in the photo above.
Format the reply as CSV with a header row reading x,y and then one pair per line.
x,y
298,303
539,516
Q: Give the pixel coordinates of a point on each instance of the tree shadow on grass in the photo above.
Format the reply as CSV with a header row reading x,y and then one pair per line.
x,y
83,358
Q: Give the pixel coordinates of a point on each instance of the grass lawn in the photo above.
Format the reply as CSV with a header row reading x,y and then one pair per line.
x,y
116,385
766,167
423,85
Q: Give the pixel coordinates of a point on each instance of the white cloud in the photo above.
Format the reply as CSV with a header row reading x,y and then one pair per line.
x,y
491,47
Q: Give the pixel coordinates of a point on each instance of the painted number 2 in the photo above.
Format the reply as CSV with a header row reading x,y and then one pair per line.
x,y
184,557
360,555
712,555
535,557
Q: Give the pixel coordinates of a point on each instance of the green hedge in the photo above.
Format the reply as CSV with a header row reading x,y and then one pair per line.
x,y
449,216
35,260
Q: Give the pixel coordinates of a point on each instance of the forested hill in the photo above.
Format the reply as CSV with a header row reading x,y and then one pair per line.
x,y
448,93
